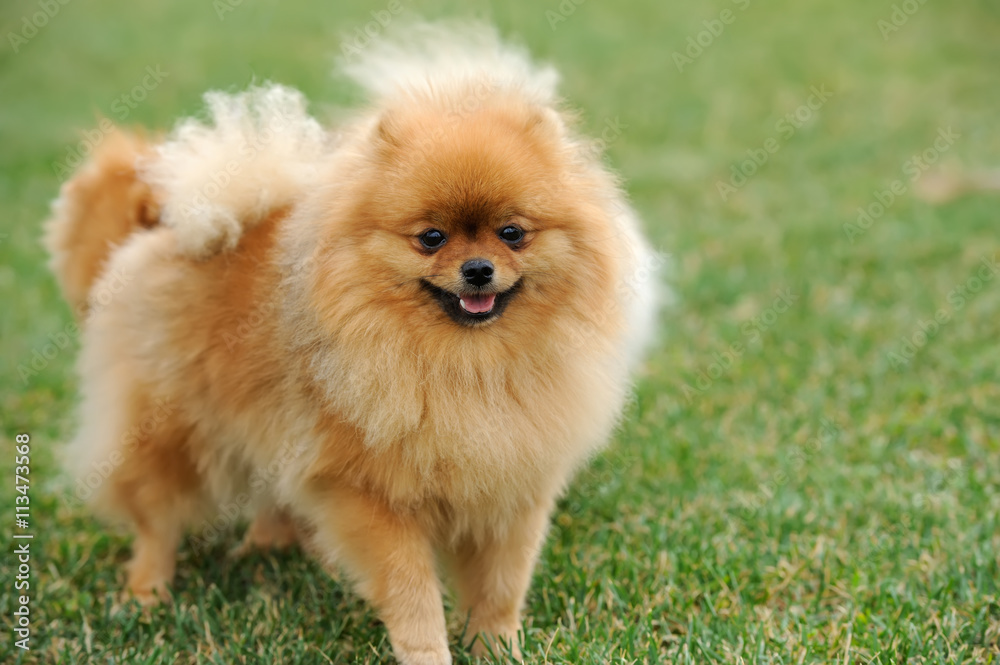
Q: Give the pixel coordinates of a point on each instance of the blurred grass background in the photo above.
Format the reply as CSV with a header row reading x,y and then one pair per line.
x,y
805,501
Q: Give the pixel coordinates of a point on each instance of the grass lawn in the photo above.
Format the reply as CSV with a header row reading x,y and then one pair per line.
x,y
809,472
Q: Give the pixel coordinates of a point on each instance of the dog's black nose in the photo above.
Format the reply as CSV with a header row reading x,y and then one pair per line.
x,y
478,272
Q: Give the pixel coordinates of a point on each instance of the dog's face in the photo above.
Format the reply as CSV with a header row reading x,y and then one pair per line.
x,y
474,268
469,217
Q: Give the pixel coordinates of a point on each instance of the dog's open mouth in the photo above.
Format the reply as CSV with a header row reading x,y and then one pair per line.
x,y
472,308
475,303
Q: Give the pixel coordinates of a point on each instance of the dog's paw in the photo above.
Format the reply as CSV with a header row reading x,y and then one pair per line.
x,y
270,530
423,656
148,584
148,595
501,644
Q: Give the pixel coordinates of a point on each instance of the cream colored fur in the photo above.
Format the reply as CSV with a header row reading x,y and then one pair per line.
x,y
258,151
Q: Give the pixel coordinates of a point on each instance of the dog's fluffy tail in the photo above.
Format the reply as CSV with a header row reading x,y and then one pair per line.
x,y
98,208
209,181
258,152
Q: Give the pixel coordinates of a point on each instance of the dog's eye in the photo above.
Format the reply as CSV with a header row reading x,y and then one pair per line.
x,y
511,234
432,238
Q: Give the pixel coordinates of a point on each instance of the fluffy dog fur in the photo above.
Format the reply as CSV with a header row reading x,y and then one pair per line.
x,y
279,312
100,206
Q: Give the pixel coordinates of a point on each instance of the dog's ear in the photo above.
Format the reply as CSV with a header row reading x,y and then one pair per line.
x,y
389,132
546,120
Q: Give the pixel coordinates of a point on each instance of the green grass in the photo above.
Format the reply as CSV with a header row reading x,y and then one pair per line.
x,y
811,503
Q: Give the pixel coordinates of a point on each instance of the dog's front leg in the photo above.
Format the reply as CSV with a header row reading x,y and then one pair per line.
x,y
493,577
391,559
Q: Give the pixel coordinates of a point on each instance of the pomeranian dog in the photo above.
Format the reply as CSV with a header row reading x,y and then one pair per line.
x,y
409,330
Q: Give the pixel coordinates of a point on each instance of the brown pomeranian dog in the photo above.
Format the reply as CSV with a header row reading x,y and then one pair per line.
x,y
400,336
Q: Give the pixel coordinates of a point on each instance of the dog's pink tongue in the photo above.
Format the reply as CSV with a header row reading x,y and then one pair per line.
x,y
478,304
